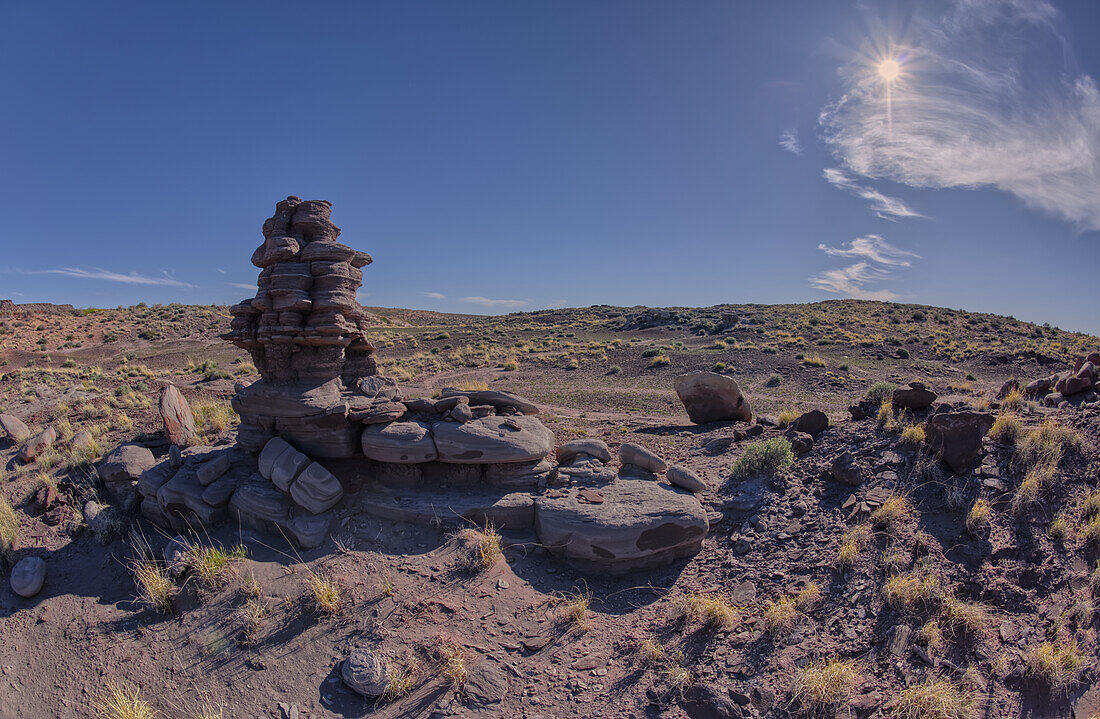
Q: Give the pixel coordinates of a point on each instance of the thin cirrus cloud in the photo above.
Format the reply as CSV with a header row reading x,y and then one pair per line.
x,y
435,295
877,260
97,273
988,96
486,302
789,141
884,206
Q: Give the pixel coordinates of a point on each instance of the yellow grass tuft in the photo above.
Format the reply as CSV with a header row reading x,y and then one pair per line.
x,y
1059,664
978,518
934,698
119,702
712,609
910,591
892,513
327,597
825,685
154,585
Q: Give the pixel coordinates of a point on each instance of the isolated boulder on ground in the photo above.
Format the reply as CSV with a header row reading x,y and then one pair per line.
x,y
179,424
1039,387
812,423
712,397
125,463
14,428
846,469
37,444
27,576
365,672
915,397
801,442
957,436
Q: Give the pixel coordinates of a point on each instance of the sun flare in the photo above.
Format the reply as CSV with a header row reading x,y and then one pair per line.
x,y
889,70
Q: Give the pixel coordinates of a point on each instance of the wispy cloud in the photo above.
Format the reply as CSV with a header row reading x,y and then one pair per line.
x,y
241,285
851,281
884,206
435,295
988,97
486,302
873,248
557,304
789,142
877,260
96,273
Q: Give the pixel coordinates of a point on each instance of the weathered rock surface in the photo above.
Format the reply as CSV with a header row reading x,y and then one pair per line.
x,y
711,397
957,436
492,439
639,456
407,442
316,489
846,469
257,501
14,428
214,467
365,672
592,447
37,444
179,424
639,524
287,467
27,576
494,398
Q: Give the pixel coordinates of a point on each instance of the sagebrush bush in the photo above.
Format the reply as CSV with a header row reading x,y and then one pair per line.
x,y
767,457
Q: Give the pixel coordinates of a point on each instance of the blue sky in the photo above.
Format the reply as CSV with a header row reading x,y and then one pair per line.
x,y
501,156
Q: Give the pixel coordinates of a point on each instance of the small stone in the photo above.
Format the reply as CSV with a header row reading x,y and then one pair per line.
x,y
593,447
686,479
365,672
27,576
812,423
639,456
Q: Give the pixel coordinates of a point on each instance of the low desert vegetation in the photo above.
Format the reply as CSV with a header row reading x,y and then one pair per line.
x,y
9,527
713,610
480,548
575,608
764,458
892,513
825,686
852,544
326,594
121,702
212,565
1059,663
978,518
913,591
935,698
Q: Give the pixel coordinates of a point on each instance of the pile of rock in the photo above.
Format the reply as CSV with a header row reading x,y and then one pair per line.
x,y
305,332
1083,379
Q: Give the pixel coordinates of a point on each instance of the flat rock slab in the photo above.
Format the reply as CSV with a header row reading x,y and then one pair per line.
x,y
492,439
399,443
640,524
502,509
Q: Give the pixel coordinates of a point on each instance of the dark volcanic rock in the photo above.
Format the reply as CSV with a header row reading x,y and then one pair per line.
x,y
957,436
916,397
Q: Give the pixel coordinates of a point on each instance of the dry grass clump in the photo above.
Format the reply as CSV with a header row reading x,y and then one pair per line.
x,y
934,698
1060,527
400,681
978,518
781,616
212,564
813,361
891,513
1035,483
153,584
1047,444
650,652
786,417
1059,664
911,591
213,417
826,685
118,702
886,414
931,635
252,614
711,609
482,548
852,544
1006,428
9,527
913,435
326,594
965,617
575,606
1014,401
453,661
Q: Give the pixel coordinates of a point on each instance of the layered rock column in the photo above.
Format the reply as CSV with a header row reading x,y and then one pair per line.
x,y
305,332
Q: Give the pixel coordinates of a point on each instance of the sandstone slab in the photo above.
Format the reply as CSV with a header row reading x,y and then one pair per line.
x,y
492,439
711,397
125,463
592,447
37,444
316,489
399,443
14,428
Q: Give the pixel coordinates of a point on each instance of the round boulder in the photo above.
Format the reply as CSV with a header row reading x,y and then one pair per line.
x,y
712,397
365,672
27,576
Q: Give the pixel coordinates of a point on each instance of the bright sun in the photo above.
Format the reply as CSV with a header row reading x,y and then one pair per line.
x,y
889,70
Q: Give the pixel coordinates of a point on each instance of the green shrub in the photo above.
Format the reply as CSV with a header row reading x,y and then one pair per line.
x,y
767,457
880,391
774,381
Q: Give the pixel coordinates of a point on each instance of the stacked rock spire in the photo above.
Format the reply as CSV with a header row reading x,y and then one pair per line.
x,y
305,324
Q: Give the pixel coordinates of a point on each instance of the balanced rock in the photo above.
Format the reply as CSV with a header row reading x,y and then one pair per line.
x,y
592,447
915,397
399,442
685,479
492,439
27,576
712,397
639,524
179,424
639,456
957,436
14,428
812,423
365,672
37,444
